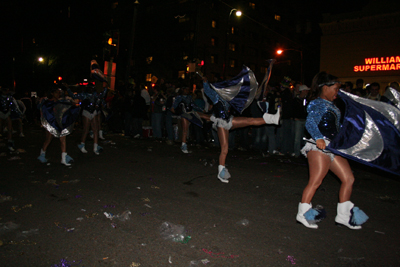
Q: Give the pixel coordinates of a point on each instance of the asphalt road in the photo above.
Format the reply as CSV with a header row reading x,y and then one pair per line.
x,y
50,212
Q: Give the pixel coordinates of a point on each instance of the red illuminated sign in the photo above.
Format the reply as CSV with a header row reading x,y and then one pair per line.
x,y
379,64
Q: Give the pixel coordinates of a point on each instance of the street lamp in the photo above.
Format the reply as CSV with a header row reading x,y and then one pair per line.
x,y
280,52
238,13
40,59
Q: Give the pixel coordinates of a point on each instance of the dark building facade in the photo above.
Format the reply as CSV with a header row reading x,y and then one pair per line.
x,y
363,44
175,38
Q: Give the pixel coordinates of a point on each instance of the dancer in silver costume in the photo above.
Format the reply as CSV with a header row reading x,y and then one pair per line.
x,y
90,103
224,122
58,116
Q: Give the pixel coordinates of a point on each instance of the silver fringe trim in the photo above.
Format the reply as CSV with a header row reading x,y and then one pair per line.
x,y
311,146
218,122
4,116
54,131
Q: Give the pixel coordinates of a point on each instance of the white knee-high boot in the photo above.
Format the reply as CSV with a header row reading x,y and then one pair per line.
x,y
272,118
64,159
350,216
303,208
101,135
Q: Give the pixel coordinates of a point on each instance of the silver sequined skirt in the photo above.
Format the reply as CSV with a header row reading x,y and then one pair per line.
x,y
311,146
218,122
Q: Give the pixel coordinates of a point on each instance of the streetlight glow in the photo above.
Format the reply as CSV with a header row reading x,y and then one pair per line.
x,y
279,51
40,59
238,13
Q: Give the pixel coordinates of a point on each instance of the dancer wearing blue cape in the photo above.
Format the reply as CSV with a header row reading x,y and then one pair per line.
x,y
58,116
237,93
90,103
190,113
8,106
323,125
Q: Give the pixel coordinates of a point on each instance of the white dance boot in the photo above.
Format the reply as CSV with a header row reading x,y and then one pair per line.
x,y
350,217
101,135
272,118
65,159
303,208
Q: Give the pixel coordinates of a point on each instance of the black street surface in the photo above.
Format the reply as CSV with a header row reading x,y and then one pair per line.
x,y
51,213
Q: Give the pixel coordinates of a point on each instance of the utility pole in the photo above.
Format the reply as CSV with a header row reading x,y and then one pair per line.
x,y
130,49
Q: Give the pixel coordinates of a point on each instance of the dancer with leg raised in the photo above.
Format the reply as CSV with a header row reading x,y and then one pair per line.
x,y
237,93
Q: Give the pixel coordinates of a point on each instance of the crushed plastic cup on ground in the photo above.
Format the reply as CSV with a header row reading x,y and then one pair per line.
x,y
5,198
122,217
173,232
243,222
28,233
8,226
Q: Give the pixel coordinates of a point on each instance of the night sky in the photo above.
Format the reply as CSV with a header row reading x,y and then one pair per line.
x,y
70,37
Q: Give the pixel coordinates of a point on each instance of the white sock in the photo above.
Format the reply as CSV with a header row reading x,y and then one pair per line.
x,y
183,143
63,155
95,147
42,152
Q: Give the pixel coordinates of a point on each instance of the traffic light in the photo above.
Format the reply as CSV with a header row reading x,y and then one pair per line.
x,y
111,44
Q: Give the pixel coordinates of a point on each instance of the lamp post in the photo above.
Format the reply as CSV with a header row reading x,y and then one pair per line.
x,y
238,13
280,51
130,48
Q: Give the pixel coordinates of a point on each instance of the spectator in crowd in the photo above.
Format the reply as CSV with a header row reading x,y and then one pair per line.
x,y
29,107
299,115
139,112
395,85
127,108
170,94
198,133
19,116
158,101
348,87
7,106
359,90
285,130
146,95
374,92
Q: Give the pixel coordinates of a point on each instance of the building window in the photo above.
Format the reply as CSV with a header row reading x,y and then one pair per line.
x,y
148,77
232,63
213,41
189,37
232,30
181,74
185,57
214,24
252,51
252,5
277,17
183,19
232,47
149,60
214,59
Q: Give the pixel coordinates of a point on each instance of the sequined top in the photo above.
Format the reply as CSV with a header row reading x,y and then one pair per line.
x,y
89,102
221,107
8,103
322,119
